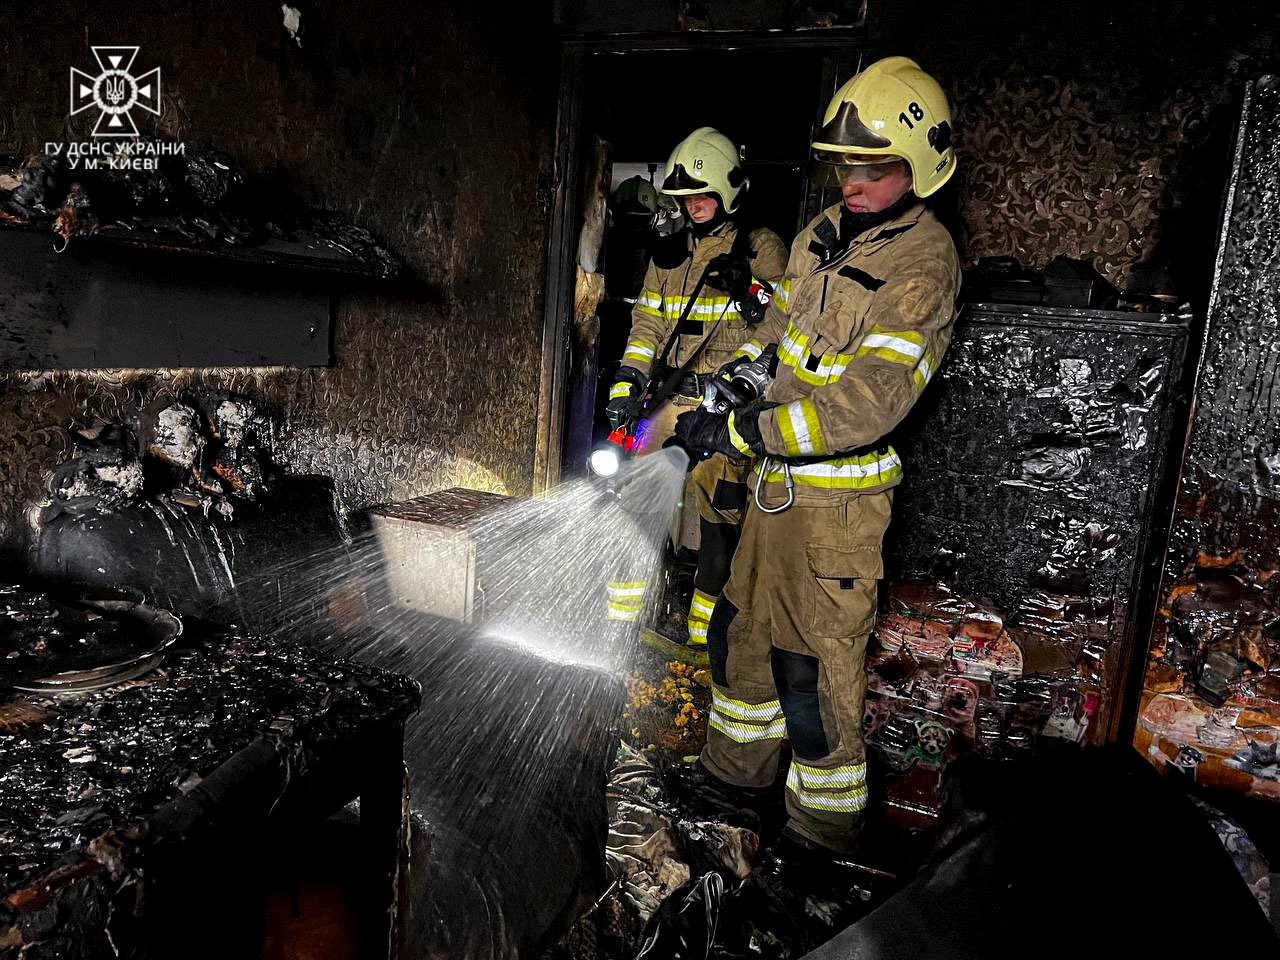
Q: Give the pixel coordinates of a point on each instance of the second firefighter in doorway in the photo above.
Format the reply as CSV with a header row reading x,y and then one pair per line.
x,y
861,321
698,288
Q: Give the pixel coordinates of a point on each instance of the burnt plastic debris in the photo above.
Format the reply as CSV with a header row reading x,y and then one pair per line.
x,y
691,880
198,198
185,502
207,452
684,926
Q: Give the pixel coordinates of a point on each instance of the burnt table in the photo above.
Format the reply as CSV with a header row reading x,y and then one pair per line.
x,y
134,821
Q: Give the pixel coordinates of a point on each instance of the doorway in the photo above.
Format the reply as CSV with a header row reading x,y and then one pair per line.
x,y
626,104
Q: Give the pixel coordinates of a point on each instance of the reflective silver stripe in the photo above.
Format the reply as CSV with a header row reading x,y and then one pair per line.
x,y
741,710
641,351
816,778
752,349
897,344
747,732
835,470
924,368
703,604
650,302
799,433
845,788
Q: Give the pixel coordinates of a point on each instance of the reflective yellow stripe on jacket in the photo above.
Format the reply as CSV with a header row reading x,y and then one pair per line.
x,y
857,472
900,346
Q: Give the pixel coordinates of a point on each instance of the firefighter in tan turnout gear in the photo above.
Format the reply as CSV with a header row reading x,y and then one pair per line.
x,y
704,173
861,321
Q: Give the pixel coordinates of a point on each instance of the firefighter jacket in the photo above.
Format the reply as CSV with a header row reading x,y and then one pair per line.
x,y
670,281
860,330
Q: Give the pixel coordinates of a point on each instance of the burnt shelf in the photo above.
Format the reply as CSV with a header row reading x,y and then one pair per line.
x,y
271,252
121,301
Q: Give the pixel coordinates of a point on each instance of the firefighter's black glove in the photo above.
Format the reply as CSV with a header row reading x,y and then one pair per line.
x,y
703,432
731,274
625,407
746,422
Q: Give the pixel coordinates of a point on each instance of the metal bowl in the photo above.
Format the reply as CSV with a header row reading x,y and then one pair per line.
x,y
160,628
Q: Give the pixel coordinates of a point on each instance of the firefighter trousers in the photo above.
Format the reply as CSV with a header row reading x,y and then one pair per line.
x,y
787,644
718,489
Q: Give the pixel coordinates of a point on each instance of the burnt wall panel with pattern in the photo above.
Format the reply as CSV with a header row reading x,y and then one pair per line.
x,y
1211,706
434,135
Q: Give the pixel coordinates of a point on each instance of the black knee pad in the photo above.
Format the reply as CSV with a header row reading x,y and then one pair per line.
x,y
718,640
715,555
796,677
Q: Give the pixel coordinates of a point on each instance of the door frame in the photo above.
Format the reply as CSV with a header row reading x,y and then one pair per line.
x,y
840,49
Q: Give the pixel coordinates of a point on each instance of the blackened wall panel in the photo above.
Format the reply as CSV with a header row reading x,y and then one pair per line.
x,y
1033,467
1213,697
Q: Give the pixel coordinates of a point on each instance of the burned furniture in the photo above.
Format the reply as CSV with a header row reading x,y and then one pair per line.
x,y
183,502
1025,538
134,819
175,259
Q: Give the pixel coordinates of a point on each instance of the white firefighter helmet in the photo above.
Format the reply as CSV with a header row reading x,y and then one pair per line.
x,y
706,161
891,110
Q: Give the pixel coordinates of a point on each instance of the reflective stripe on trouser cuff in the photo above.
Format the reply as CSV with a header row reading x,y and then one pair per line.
x,y
842,789
626,599
741,710
623,613
740,732
700,610
745,722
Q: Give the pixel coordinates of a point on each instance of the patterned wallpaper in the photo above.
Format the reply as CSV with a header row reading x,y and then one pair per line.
x,y
1049,168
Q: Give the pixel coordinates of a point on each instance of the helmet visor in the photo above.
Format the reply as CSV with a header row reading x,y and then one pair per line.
x,y
846,129
680,180
829,168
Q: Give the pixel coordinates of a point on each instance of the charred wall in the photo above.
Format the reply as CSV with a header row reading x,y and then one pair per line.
x,y
1212,700
420,122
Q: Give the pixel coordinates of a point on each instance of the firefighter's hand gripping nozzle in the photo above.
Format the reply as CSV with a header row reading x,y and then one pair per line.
x,y
739,383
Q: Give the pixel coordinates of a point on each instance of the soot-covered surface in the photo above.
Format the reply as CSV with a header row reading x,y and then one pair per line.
x,y
1033,467
1212,700
84,776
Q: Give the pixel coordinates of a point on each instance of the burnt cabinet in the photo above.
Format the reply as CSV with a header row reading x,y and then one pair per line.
x,y
1037,480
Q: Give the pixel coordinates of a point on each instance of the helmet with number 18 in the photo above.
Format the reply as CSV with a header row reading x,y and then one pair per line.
x,y
890,111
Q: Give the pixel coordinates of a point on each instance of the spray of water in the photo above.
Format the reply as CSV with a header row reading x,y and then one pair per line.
x,y
519,699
